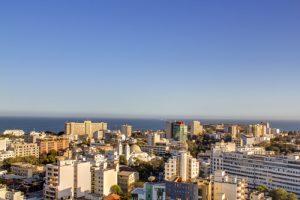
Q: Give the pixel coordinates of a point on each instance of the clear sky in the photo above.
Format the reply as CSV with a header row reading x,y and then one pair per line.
x,y
150,58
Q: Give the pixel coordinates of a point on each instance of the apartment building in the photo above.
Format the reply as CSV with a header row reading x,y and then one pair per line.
x,y
182,165
87,128
67,179
260,167
230,187
6,154
25,149
126,180
103,177
53,143
126,130
159,149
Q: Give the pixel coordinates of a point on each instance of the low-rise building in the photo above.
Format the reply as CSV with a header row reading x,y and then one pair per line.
x,y
7,194
6,154
14,132
26,169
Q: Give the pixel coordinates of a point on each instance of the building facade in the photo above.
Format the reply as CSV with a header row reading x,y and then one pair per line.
x,y
26,149
87,128
182,165
126,180
260,167
53,143
126,130
67,179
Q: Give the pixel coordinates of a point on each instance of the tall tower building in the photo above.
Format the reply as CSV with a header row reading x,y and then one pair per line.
x,y
182,165
126,130
196,128
179,131
233,131
168,129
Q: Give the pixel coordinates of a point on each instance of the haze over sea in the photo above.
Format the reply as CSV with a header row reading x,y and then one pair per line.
x,y
57,124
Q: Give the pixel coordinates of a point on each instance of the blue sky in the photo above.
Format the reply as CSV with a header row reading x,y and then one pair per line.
x,y
229,59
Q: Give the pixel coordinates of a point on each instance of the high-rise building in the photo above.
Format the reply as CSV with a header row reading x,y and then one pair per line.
x,y
153,138
182,165
196,128
233,131
231,187
87,128
103,178
68,179
168,129
258,130
126,130
179,131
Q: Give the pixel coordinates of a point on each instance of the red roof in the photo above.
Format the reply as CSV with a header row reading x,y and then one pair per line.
x,y
112,197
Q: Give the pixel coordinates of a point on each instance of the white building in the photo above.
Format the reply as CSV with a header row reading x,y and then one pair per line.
x,y
67,179
260,168
230,187
6,154
10,194
182,165
14,132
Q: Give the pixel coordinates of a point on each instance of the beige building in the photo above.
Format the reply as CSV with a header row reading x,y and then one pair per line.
x,y
26,149
126,130
233,131
26,169
126,180
87,128
103,178
196,128
6,154
10,194
183,165
205,189
68,179
229,187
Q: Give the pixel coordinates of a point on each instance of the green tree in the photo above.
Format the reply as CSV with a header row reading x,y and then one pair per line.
x,y
262,188
122,160
116,189
281,194
138,184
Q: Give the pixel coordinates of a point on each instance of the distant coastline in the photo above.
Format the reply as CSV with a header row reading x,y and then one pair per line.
x,y
56,124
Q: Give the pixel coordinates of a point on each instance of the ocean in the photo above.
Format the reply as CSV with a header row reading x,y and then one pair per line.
x,y
57,124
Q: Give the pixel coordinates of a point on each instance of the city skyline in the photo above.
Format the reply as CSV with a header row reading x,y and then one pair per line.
x,y
150,59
